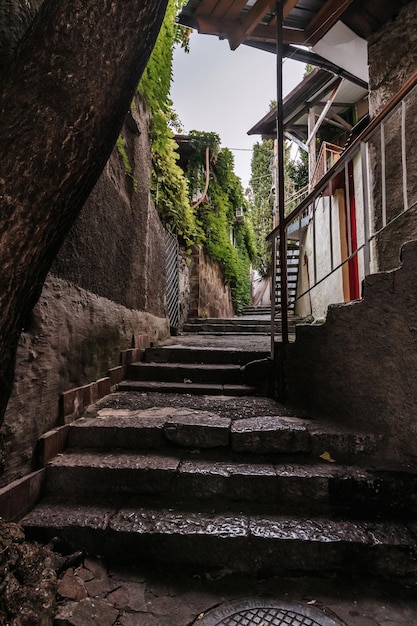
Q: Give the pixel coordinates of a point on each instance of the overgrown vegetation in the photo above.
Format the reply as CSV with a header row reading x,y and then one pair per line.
x,y
262,202
168,184
213,222
229,241
262,195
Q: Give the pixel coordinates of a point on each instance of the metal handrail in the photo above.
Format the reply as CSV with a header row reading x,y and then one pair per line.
x,y
349,152
341,166
327,150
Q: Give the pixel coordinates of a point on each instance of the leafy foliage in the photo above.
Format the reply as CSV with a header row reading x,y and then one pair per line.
x,y
261,204
211,222
168,184
262,187
229,242
121,148
298,170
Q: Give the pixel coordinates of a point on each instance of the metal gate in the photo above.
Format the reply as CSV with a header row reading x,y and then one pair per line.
x,y
172,273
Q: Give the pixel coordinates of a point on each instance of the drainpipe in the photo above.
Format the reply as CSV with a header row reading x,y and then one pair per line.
x,y
282,248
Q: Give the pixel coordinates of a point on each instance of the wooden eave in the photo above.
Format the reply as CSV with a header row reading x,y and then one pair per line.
x,y
313,92
305,21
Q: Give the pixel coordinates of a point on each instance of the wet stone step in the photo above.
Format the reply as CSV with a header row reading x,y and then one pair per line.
x,y
276,435
227,328
188,373
283,486
241,543
189,388
177,354
150,428
232,321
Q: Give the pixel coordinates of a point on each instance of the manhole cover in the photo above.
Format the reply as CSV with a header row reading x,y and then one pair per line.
x,y
258,612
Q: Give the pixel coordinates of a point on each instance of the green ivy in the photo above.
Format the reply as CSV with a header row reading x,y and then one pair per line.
x,y
217,214
169,186
121,148
210,224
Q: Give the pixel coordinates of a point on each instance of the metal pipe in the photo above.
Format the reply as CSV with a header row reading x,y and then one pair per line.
x,y
280,166
383,176
366,212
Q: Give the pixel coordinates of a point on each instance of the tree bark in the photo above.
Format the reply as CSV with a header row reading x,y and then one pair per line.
x,y
62,104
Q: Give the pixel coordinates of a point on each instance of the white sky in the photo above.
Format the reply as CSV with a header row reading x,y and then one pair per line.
x,y
217,90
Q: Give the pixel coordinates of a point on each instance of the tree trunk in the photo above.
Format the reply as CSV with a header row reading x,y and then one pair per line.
x,y
62,104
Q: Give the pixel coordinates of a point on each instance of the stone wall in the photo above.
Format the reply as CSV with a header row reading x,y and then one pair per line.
x,y
209,296
116,248
107,284
75,337
360,367
392,60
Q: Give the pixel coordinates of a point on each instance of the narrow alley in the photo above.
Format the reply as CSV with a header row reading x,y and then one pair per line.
x,y
211,504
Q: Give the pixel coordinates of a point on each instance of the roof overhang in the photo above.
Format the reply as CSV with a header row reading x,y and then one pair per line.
x,y
329,31
313,91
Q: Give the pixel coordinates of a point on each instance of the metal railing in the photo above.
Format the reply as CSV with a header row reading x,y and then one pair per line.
x,y
377,162
172,277
329,154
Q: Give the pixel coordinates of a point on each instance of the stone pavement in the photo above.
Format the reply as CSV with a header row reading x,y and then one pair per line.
x,y
93,593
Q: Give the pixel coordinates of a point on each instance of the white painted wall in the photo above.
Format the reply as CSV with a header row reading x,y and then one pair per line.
x,y
329,235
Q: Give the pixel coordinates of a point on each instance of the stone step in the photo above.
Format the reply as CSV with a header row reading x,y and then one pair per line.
x,y
207,327
239,320
256,310
217,540
183,354
189,373
282,487
188,428
189,388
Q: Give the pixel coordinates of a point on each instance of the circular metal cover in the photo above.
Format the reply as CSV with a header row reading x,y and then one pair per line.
x,y
259,612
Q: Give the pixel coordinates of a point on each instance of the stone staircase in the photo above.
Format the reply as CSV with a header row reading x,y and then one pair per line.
x,y
231,482
197,370
249,324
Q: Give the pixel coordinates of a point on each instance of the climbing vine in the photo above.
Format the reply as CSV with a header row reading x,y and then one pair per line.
x,y
212,223
169,186
228,241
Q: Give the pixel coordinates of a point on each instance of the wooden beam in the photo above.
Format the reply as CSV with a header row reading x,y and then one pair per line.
x,y
206,7
268,33
214,26
338,118
332,122
288,7
250,21
297,141
312,133
222,8
327,17
234,9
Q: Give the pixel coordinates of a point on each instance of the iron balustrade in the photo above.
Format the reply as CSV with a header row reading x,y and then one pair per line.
x,y
372,156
